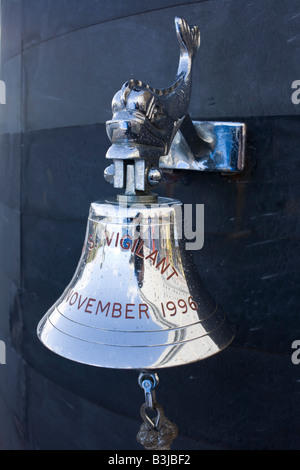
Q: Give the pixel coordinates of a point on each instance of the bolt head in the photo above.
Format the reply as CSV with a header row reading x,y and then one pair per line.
x,y
154,176
109,173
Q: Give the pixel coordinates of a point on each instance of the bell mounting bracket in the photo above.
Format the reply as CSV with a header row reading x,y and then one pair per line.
x,y
152,133
209,146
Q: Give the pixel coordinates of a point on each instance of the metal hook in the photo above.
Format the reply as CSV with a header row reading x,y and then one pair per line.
x,y
148,382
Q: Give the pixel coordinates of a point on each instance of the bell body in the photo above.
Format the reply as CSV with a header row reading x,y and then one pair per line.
x,y
136,300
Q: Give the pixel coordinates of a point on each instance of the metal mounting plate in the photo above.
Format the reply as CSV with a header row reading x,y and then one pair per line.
x,y
223,149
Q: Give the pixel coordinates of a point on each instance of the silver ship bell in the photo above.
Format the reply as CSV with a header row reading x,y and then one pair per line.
x,y
136,300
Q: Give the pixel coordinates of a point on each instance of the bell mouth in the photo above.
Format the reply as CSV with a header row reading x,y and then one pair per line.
x,y
138,350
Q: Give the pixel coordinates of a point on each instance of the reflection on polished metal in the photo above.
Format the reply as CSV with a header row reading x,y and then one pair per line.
x,y
224,153
136,300
151,128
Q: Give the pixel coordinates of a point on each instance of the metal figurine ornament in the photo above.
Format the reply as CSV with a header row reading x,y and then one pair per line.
x,y
145,119
136,300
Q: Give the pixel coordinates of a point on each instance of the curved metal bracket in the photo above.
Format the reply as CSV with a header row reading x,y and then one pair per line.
x,y
216,147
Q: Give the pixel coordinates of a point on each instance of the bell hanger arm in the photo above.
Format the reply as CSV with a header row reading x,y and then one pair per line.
x,y
151,130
